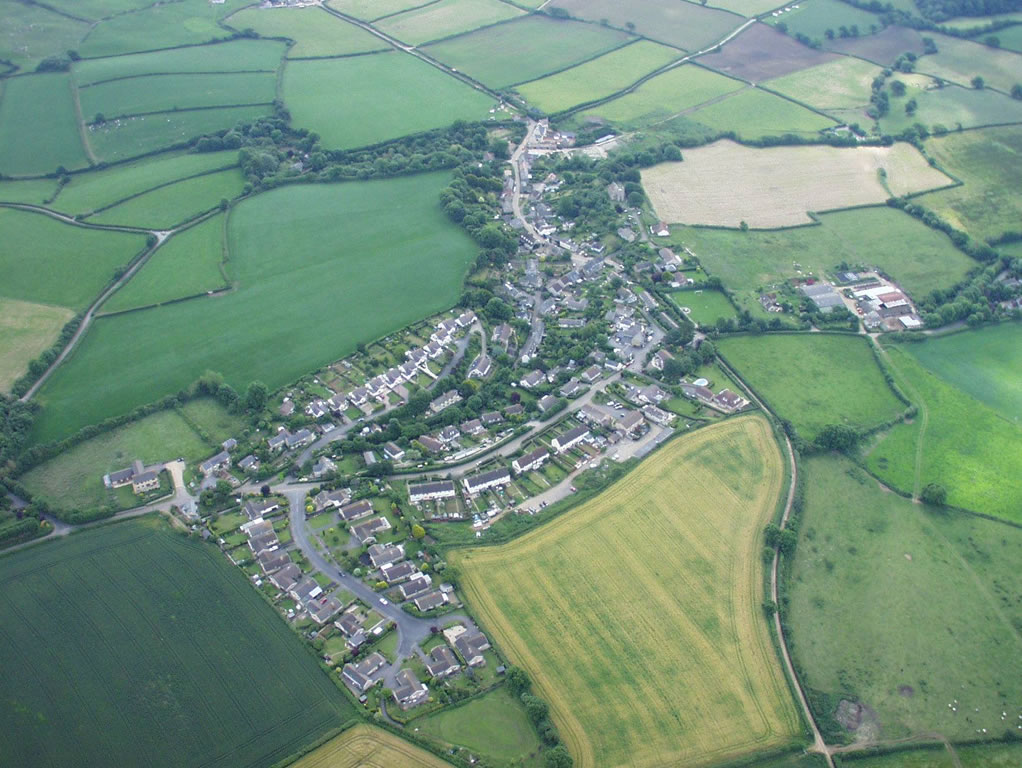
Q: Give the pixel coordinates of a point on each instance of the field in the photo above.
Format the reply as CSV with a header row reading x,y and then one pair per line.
x,y
952,107
525,49
840,84
663,96
725,183
57,250
745,7
957,441
445,18
754,113
33,191
373,9
683,25
979,756
883,47
960,60
989,162
761,53
364,746
1011,38
94,10
168,206
38,127
813,380
598,78
368,99
638,614
161,93
874,562
707,306
158,670
285,319
26,330
186,265
315,31
30,33
814,17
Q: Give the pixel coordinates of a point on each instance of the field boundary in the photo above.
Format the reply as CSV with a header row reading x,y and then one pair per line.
x,y
176,74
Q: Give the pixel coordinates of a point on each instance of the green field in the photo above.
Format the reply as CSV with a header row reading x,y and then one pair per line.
x,y
94,10
38,127
186,265
975,756
961,60
840,84
952,107
364,100
813,18
315,31
445,18
707,306
159,668
525,49
160,93
29,33
745,7
46,261
754,113
1011,38
350,276
637,615
905,610
33,191
598,78
373,9
663,96
813,380
26,330
168,206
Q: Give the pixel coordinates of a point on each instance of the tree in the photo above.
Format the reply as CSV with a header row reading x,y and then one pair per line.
x,y
934,494
1016,91
535,708
418,532
265,490
558,757
518,680
993,41
897,88
978,83
256,396
498,310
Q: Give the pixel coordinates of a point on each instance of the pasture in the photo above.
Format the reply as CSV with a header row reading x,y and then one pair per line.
x,y
94,10
32,191
162,25
706,306
870,560
445,18
724,183
952,107
637,615
29,33
160,93
598,78
973,756
363,746
364,100
760,53
839,84
367,10
1011,38
157,670
187,264
814,380
38,127
746,7
26,331
684,25
525,49
343,254
755,113
315,32
168,206
961,60
883,47
49,262
813,18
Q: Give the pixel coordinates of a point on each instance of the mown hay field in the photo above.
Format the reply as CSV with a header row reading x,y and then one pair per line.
x,y
755,113
134,645
839,84
364,746
316,32
26,331
446,18
638,615
38,126
725,183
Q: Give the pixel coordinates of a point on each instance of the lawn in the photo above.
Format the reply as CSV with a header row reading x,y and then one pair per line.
x,y
30,33
445,18
364,100
706,306
813,18
186,265
952,107
38,126
932,602
364,746
337,288
598,78
157,669
637,615
26,331
961,60
168,206
840,84
813,380
374,9
46,261
754,113
316,32
525,49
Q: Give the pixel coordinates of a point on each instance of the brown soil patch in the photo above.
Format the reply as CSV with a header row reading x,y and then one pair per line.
x,y
760,53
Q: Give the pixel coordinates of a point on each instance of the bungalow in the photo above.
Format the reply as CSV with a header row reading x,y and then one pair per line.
x,y
571,322
356,510
415,587
263,543
570,439
494,478
441,662
145,482
471,644
298,439
409,371
305,590
287,407
348,624
408,691
416,356
323,466
729,400
652,394
466,318
547,403
249,464
377,386
698,392
448,434
221,461
385,554
591,374
257,508
395,573
430,601
659,358
514,410
660,229
277,441
432,445
595,416
286,577
122,477
393,377
572,388
229,444
357,676
337,404
530,461
393,452
658,415
480,367
365,533
631,423
334,499
271,561
369,458
490,418
532,380
576,305
323,611
446,400
256,527
443,489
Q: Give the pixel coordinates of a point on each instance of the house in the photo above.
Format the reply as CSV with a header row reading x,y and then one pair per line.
x,y
431,444
446,400
348,624
530,461
616,192
448,434
493,479
472,427
471,644
441,662
358,396
122,477
570,439
591,374
249,464
393,452
358,676
271,561
572,388
229,444
385,554
532,380
219,462
480,367
277,442
325,610
144,482
418,492
660,229
658,415
431,601
317,409
490,418
356,510
415,587
365,533
433,350
298,439
631,423
323,466
594,416
287,407
408,691
263,543
626,234
305,590
256,508
502,335
659,358
395,573
547,403
334,499
256,527
514,410
652,395
729,400
286,578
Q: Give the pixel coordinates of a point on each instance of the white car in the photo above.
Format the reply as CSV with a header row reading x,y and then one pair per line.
x,y
384,601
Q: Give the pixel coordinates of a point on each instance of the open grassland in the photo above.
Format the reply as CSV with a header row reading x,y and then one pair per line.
x,y
29,33
32,191
638,614
1011,38
525,49
186,265
840,84
173,204
760,53
952,107
706,306
94,10
363,100
972,756
38,126
681,24
883,47
87,192
598,78
364,746
664,96
160,93
315,31
134,136
754,113
990,163
494,725
368,10
961,60
159,668
43,260
26,330
813,18
445,19
906,610
813,380
958,442
233,56
724,183
348,269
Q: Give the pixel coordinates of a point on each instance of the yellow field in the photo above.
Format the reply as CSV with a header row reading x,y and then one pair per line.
x,y
724,183
638,614
26,331
366,747
839,84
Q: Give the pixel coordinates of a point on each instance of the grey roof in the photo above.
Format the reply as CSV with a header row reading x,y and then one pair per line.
x,y
428,489
494,475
